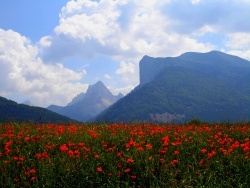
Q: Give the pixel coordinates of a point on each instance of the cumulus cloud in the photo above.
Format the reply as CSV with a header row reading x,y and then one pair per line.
x,y
124,90
22,71
107,76
124,30
239,44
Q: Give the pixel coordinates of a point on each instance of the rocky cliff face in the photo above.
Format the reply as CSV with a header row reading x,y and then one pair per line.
x,y
215,63
211,86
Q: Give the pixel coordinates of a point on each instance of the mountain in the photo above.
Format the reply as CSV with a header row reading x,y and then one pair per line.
x,y
12,111
212,87
76,99
86,106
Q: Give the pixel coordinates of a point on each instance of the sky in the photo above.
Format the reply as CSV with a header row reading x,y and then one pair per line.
x,y
50,51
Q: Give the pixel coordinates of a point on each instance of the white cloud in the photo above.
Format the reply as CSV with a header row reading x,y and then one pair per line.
x,y
107,76
123,90
126,67
195,1
124,30
238,40
205,29
22,71
239,44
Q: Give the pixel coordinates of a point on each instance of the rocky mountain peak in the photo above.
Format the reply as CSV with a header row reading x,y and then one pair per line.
x,y
98,89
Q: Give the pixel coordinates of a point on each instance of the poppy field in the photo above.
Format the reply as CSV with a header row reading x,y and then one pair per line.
x,y
124,155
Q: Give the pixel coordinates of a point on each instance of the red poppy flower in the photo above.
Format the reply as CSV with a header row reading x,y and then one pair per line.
x,y
127,170
133,176
99,169
130,160
149,146
33,171
176,152
63,148
203,150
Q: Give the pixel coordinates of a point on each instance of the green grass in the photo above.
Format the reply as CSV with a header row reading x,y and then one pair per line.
x,y
124,155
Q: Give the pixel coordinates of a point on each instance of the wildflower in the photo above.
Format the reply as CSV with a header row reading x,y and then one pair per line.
x,y
203,150
77,152
22,158
127,170
133,176
235,145
27,173
211,154
165,141
246,149
97,156
130,160
176,152
224,151
118,173
32,171
63,148
70,153
26,139
119,165
99,169
42,156
80,144
93,134
177,143
140,148
201,161
119,154
173,162
163,151
149,146
15,158
33,178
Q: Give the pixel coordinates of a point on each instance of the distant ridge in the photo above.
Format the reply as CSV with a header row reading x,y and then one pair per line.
x,y
212,87
12,111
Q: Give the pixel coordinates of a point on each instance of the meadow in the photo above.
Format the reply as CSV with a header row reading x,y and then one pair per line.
x,y
124,155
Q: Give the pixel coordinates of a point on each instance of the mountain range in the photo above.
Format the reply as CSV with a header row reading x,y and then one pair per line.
x,y
12,111
212,87
85,106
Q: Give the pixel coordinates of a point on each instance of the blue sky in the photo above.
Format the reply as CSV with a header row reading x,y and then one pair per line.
x,y
50,51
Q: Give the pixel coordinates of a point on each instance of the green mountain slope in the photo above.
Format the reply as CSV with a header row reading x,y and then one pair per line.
x,y
186,87
12,111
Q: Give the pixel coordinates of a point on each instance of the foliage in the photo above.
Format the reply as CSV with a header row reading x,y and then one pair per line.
x,y
179,90
212,86
124,155
12,111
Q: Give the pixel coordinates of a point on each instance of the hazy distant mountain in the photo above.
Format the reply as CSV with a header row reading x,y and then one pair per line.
x,y
12,111
27,102
87,105
210,86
